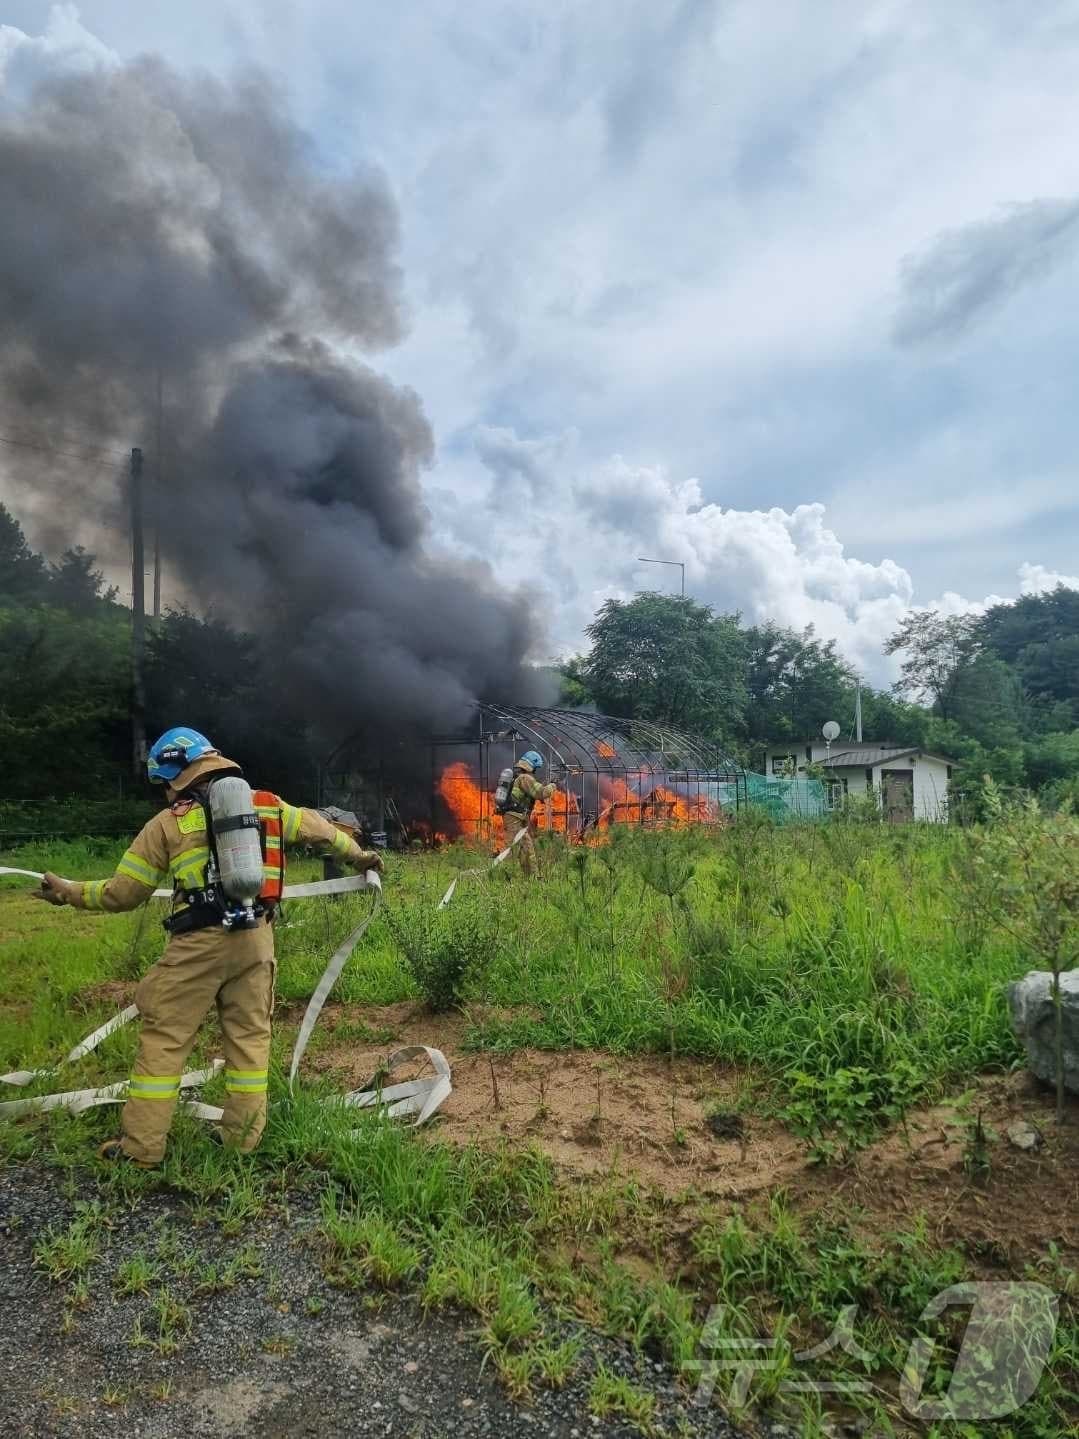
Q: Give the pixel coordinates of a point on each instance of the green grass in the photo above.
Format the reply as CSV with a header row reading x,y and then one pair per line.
x,y
613,1394
849,970
820,956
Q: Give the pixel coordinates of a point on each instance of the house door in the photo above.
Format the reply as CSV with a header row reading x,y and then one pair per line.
x,y
897,792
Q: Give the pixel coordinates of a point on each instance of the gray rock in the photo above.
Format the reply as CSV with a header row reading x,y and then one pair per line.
x,y
1033,1019
1023,1135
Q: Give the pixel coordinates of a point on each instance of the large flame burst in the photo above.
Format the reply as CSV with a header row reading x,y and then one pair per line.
x,y
633,799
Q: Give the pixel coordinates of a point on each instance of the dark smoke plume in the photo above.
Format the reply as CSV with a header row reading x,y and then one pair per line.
x,y
162,224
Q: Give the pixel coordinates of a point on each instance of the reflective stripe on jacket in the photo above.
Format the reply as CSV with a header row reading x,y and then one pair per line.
x,y
174,845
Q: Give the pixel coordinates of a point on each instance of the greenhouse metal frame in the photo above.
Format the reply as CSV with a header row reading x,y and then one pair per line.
x,y
590,755
616,770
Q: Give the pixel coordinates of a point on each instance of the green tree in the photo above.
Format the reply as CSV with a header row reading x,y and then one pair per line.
x,y
887,717
76,585
938,651
64,718
573,691
794,683
661,658
1051,758
987,702
22,570
1038,636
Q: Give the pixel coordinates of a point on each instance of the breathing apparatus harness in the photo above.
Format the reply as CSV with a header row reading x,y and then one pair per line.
x,y
232,896
507,783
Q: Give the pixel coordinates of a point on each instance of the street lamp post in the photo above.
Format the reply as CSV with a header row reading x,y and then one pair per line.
x,y
679,563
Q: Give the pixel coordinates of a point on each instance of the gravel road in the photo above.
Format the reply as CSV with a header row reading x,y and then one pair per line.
x,y
280,1353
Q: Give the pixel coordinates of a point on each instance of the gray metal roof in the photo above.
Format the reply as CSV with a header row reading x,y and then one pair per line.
x,y
868,755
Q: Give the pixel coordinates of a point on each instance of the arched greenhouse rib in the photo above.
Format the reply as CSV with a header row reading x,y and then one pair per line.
x,y
579,739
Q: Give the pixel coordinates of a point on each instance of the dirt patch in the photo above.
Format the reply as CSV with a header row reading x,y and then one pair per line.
x,y
1004,1207
686,1131
118,992
593,1113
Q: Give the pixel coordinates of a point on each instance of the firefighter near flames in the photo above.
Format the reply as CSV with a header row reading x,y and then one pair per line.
x,y
515,798
222,847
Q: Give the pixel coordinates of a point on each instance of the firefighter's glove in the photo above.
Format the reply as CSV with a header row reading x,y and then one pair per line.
x,y
548,791
370,859
54,890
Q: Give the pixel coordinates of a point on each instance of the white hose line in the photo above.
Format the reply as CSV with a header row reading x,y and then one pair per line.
x,y
444,901
426,1095
315,890
79,1099
421,1097
76,1100
84,1047
329,979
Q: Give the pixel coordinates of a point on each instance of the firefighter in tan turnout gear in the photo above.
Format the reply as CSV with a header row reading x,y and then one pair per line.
x,y
217,840
515,799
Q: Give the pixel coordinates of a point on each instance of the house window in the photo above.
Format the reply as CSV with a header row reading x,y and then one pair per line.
x,y
784,764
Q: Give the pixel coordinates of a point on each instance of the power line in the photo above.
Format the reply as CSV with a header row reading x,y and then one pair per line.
x,y
18,420
109,456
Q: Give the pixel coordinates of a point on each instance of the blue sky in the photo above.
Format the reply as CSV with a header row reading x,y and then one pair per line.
x,y
787,291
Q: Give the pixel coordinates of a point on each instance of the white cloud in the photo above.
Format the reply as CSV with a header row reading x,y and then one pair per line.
x,y
576,535
1037,580
66,44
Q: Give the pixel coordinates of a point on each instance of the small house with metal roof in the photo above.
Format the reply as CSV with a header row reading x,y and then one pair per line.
x,y
909,782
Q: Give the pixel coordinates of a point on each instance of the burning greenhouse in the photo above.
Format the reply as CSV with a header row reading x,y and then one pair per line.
x,y
606,771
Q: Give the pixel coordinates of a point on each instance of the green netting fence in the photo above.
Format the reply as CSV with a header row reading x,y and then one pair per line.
x,y
786,801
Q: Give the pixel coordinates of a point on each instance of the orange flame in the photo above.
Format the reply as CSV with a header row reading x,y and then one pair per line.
x,y
463,796
604,750
631,800
563,804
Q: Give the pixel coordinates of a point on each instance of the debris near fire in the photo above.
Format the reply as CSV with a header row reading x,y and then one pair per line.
x,y
174,262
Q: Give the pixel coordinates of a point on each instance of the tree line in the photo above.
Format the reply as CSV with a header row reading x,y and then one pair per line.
x,y
998,693
66,693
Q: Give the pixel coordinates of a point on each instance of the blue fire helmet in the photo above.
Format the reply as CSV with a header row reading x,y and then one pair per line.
x,y
531,757
174,751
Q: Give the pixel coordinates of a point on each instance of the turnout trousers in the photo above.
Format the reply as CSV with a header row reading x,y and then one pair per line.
x,y
512,824
197,971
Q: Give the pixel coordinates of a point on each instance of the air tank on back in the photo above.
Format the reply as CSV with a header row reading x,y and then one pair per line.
x,y
237,838
502,793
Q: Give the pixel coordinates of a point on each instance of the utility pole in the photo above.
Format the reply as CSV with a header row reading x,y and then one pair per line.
x,y
158,470
858,713
138,619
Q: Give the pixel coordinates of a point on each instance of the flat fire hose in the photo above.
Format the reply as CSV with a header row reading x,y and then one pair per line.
x,y
498,859
329,978
314,890
76,1100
